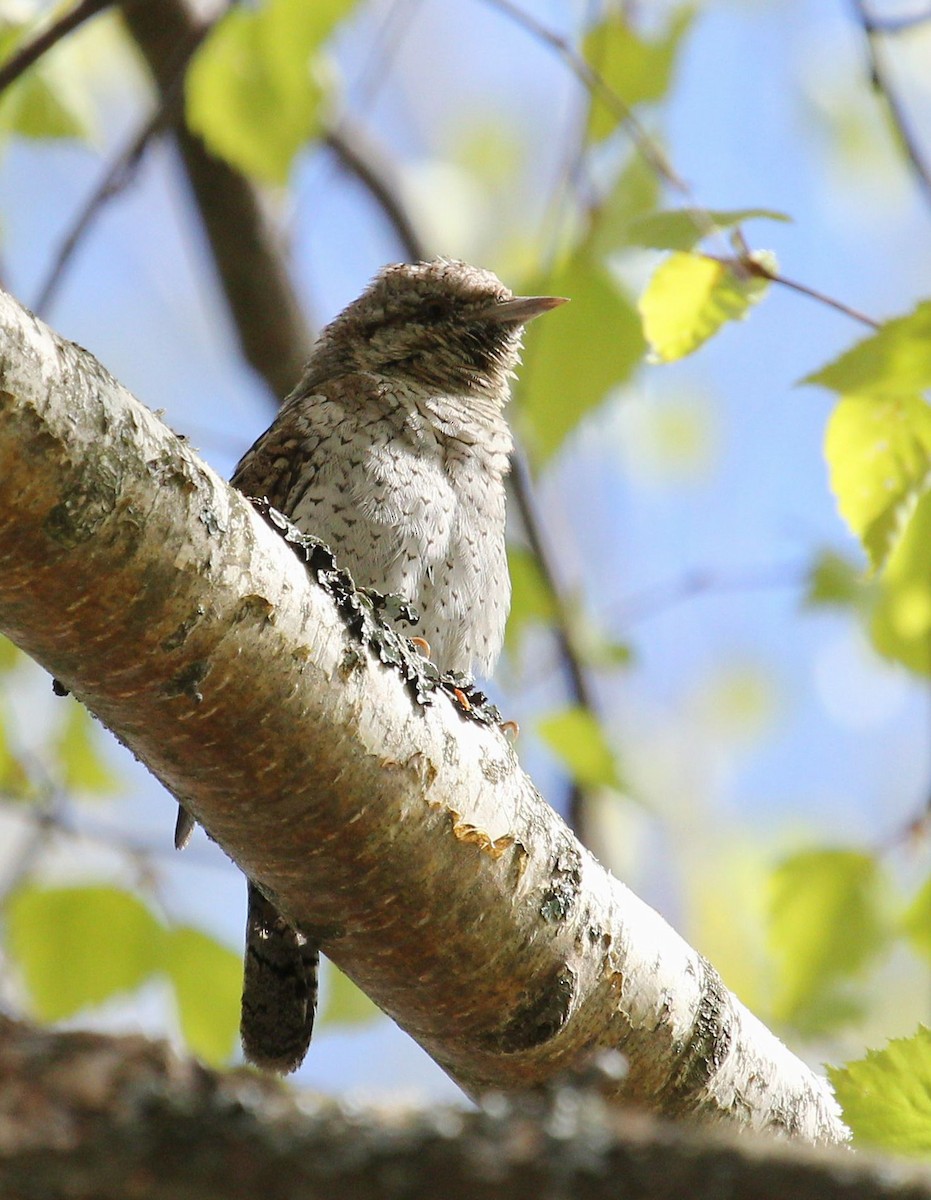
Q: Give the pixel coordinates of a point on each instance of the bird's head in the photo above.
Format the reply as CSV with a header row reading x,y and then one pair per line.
x,y
442,324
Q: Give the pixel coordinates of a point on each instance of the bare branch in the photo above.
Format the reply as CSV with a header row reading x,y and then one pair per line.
x,y
405,838
83,1113
653,601
118,176
361,158
266,313
750,265
883,84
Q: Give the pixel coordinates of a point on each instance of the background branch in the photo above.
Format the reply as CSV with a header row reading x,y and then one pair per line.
x,y
30,52
879,77
267,315
73,1106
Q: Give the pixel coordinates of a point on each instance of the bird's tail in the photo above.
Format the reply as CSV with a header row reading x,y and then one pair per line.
x,y
279,989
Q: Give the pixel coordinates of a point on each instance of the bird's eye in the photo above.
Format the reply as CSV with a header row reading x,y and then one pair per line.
x,y
432,311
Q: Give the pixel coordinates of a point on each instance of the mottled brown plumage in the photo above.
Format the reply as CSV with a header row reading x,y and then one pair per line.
x,y
393,449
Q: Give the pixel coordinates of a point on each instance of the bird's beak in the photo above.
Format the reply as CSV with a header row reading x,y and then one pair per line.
x,y
522,309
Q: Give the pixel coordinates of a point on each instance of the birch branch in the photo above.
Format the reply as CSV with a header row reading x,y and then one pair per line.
x,y
407,838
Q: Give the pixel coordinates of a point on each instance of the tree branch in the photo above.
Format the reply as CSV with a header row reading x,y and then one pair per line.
x,y
267,315
30,52
872,30
83,1114
362,159
405,838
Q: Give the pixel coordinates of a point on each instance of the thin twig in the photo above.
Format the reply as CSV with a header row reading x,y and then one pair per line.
x,y
266,312
363,159
116,179
31,51
579,689
658,599
894,25
749,265
882,84
596,85
123,170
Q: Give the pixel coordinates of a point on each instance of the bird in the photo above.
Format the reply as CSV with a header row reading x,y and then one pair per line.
x,y
393,449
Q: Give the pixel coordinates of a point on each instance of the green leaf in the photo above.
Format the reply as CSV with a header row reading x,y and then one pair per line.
x,y
825,925
634,194
10,656
78,946
560,384
834,581
878,450
576,737
916,923
886,1097
636,69
683,228
33,106
346,1004
257,85
895,361
531,599
689,298
207,979
14,778
78,756
900,626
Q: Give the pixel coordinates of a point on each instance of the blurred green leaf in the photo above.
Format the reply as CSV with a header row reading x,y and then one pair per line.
x,y
531,599
635,193
599,652
575,355
900,626
207,979
684,228
15,782
834,581
576,737
638,70
878,450
689,298
78,946
825,924
257,85
916,923
346,1004
10,656
78,757
886,1097
895,361
33,106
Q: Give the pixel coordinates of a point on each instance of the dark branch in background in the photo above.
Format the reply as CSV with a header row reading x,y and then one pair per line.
x,y
883,85
29,53
243,1137
596,86
361,158
894,25
522,491
655,600
273,331
749,265
116,179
